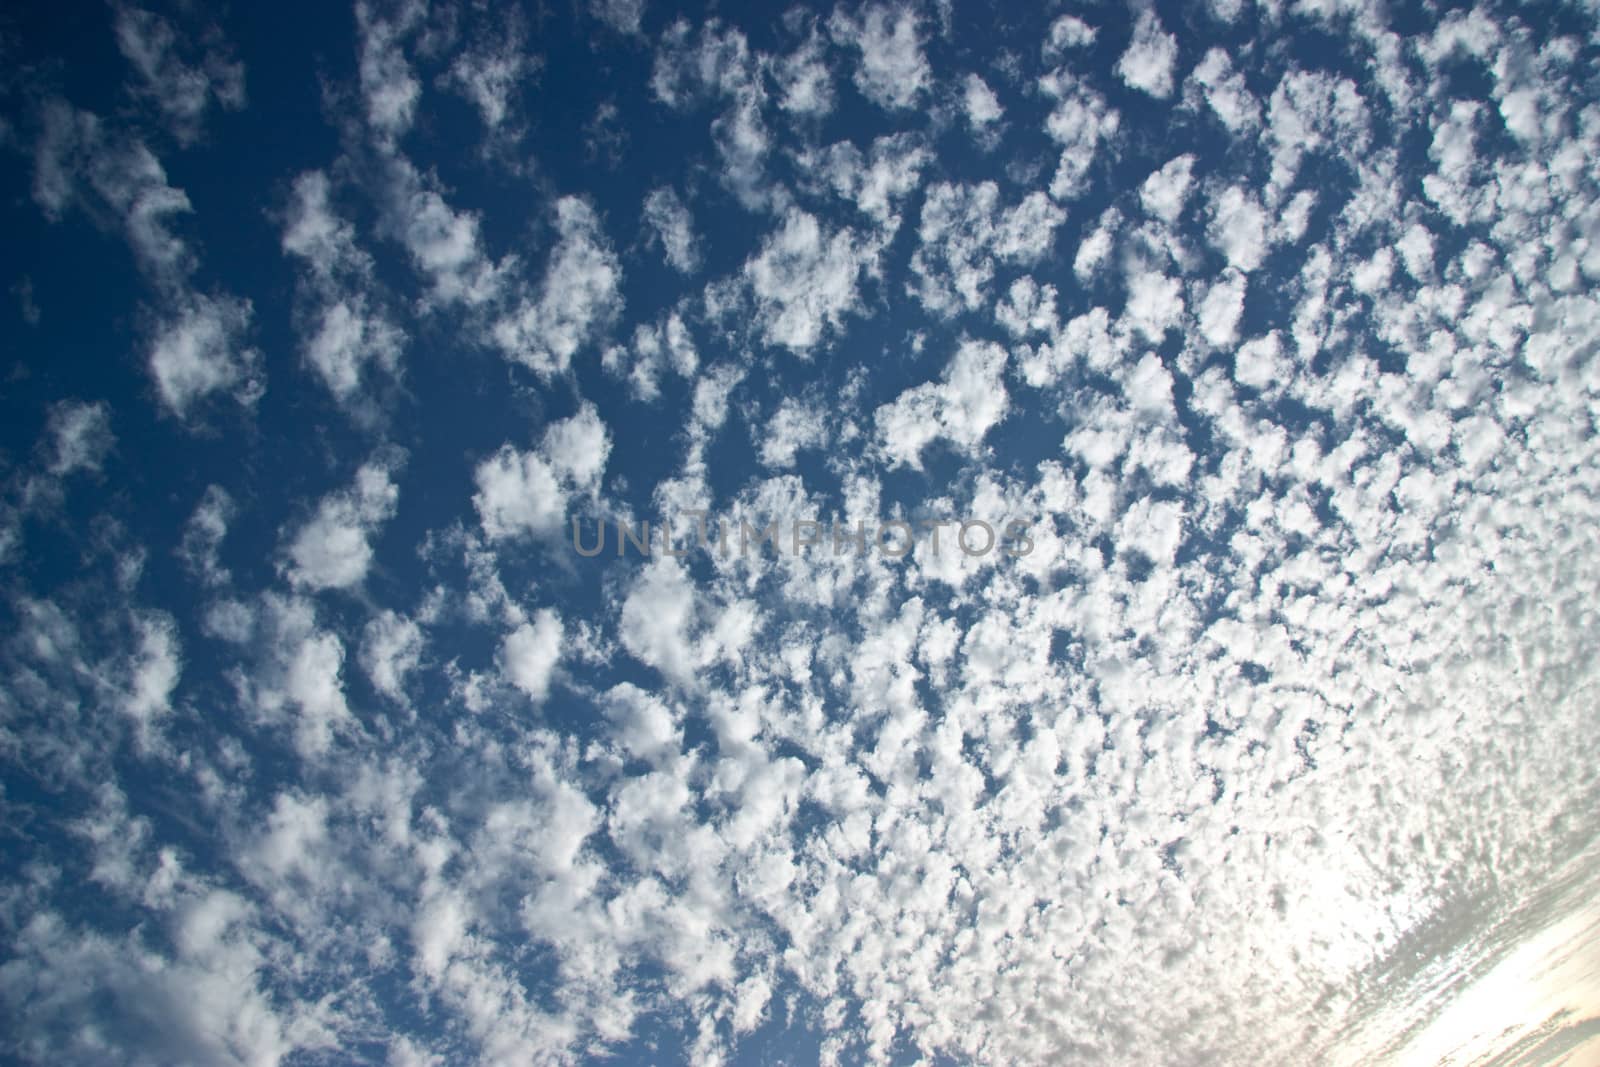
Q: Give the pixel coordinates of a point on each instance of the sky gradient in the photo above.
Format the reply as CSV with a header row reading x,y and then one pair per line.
x,y
1264,338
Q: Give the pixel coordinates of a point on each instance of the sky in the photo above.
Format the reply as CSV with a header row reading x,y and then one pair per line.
x,y
1174,432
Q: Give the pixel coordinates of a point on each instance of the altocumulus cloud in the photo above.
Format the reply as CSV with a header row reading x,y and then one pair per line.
x,y
1272,330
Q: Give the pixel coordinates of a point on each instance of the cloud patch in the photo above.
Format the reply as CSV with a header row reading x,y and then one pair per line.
x,y
579,297
333,550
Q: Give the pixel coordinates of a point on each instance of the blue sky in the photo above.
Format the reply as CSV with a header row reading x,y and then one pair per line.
x,y
1270,326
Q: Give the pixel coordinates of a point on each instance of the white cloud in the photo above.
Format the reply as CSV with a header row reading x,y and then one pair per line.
x,y
1220,308
333,550
208,987
1287,589
1259,362
493,74
182,90
804,280
229,620
80,437
1164,193
203,535
298,681
1155,304
529,654
1152,528
795,425
657,616
346,340
389,87
721,67
153,672
681,72
1028,308
1226,93
518,495
525,494
343,331
804,78
1068,31
1148,62
1416,251
1080,122
442,242
877,181
1095,249
981,105
621,15
78,160
893,72
200,351
1372,276
391,650
579,297
968,400
1238,228
743,143
1313,112
674,228
654,346
1454,153
315,233
577,448
642,723
750,1010
709,408
965,233
1294,217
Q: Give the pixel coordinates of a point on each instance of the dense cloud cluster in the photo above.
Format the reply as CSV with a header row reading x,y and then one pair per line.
x,y
1275,328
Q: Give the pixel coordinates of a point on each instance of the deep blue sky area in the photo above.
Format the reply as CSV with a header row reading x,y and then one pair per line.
x,y
1269,324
